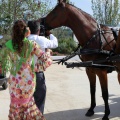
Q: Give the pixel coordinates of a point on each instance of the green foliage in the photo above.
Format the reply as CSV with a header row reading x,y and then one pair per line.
x,y
65,39
66,43
62,32
11,10
106,11
66,46
4,39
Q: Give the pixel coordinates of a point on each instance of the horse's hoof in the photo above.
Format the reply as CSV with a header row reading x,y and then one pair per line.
x,y
105,118
89,113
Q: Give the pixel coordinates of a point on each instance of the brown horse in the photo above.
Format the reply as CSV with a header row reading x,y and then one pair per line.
x,y
90,36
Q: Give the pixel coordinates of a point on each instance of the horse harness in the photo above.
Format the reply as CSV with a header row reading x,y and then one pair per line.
x,y
111,57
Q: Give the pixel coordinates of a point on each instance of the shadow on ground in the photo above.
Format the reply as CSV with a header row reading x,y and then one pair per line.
x,y
79,114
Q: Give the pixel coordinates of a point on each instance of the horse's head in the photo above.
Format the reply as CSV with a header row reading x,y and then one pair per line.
x,y
56,17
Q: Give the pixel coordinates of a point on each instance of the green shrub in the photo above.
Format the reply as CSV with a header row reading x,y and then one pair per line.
x,y
65,46
5,39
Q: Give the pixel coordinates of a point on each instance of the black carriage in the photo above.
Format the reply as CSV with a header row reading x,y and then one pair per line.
x,y
3,78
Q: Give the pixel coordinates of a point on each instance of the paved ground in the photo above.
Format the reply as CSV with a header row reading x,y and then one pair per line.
x,y
68,95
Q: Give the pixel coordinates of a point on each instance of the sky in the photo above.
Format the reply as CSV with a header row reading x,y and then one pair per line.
x,y
85,5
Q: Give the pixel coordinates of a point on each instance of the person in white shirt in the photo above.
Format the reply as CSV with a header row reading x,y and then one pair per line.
x,y
40,91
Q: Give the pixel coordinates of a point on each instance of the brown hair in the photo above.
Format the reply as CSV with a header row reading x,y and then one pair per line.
x,y
18,35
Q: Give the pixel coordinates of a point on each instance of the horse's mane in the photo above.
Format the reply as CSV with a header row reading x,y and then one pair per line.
x,y
88,16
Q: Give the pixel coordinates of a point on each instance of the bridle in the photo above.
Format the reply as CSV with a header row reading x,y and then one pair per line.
x,y
43,23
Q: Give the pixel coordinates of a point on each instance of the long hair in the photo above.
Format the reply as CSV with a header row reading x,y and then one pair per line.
x,y
18,35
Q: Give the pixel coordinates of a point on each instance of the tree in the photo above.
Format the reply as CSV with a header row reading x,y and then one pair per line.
x,y
63,32
10,11
106,11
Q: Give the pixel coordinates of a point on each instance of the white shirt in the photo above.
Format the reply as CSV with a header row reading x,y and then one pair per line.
x,y
44,42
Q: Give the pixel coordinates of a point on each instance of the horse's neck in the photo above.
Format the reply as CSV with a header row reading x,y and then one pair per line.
x,y
80,25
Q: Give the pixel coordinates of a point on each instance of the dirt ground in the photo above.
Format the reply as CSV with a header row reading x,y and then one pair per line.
x,y
68,95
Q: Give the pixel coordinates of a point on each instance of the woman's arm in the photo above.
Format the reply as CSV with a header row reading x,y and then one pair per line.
x,y
44,58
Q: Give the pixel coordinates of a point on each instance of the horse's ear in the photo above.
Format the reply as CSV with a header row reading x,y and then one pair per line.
x,y
64,1
59,1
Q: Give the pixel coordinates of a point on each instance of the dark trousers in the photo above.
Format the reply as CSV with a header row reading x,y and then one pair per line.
x,y
40,91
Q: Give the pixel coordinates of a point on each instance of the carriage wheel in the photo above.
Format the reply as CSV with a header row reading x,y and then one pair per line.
x,y
5,85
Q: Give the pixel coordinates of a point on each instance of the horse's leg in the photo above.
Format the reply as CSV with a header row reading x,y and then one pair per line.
x,y
104,86
92,79
119,78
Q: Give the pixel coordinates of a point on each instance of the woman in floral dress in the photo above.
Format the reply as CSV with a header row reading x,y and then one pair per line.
x,y
16,57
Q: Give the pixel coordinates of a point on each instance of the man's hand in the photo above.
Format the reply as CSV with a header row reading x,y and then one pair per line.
x,y
47,33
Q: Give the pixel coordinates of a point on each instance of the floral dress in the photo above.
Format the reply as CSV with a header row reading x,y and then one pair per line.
x,y
22,84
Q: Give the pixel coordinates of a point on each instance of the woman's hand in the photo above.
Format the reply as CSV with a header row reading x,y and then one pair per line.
x,y
49,51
